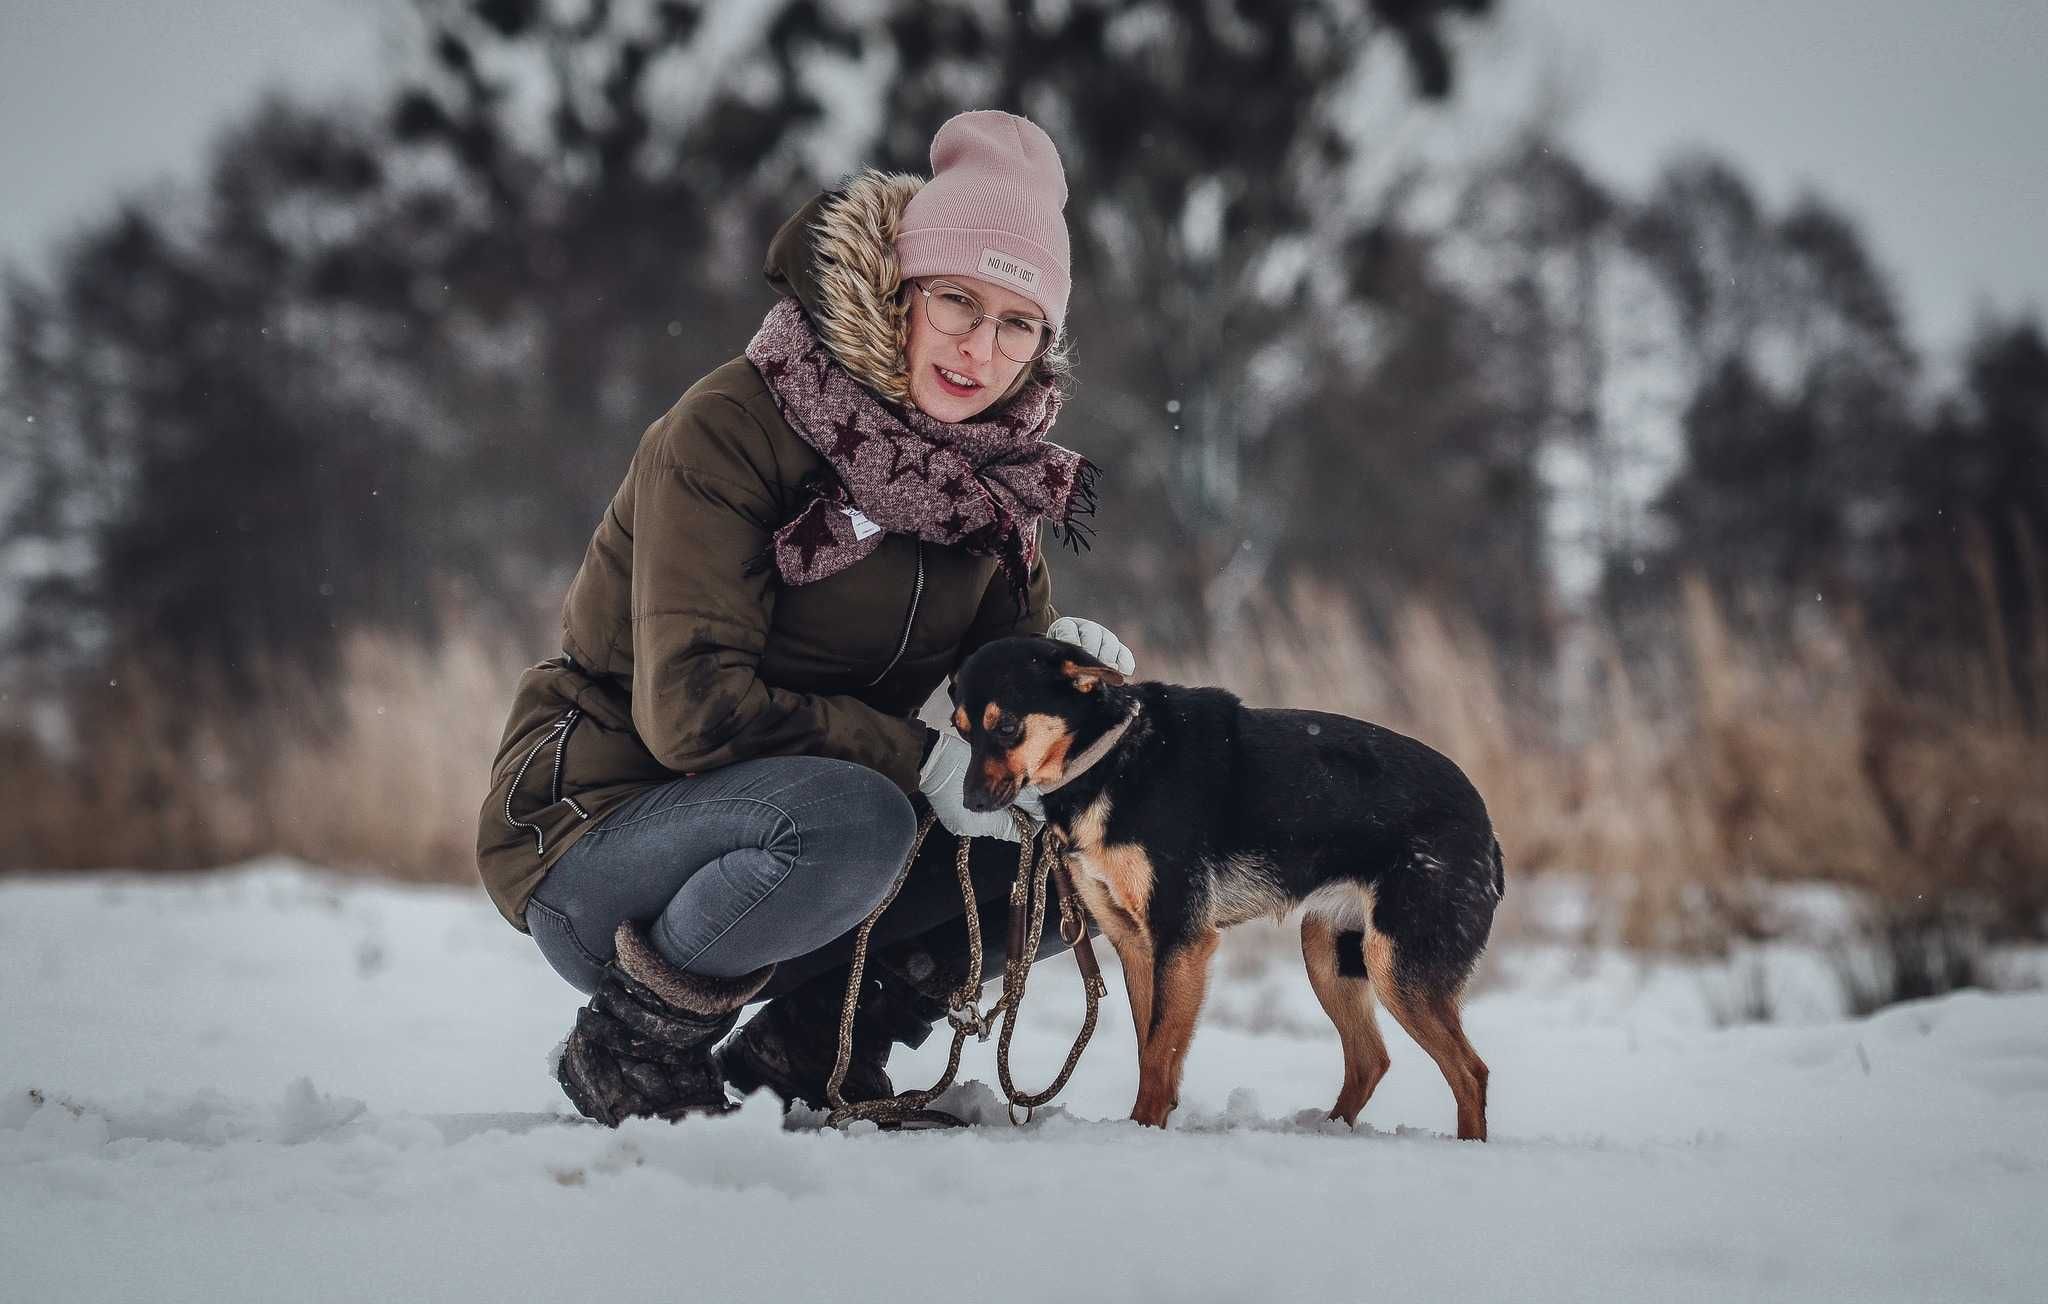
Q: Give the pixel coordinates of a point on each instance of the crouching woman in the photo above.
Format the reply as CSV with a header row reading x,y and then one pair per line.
x,y
695,803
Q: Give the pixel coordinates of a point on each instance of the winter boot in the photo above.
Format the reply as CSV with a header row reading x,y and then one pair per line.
x,y
791,1045
642,1047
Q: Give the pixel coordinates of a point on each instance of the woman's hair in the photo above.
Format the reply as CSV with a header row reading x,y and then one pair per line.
x,y
1056,367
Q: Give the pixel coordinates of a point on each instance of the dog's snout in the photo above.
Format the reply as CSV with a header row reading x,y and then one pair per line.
x,y
983,792
980,802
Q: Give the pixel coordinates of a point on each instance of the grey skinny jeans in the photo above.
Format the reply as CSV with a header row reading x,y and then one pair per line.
x,y
770,860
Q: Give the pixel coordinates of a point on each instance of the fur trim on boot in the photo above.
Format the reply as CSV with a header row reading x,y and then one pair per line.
x,y
697,993
642,1047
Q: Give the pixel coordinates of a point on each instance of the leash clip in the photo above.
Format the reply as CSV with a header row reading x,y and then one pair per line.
x,y
967,1018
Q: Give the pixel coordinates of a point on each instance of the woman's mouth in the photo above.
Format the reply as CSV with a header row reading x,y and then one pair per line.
x,y
952,382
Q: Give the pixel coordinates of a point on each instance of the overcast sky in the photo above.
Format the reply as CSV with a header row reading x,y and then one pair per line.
x,y
1923,118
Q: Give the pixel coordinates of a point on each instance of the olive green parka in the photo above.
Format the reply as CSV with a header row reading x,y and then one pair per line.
x,y
678,657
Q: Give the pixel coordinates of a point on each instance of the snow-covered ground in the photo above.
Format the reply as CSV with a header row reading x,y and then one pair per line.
x,y
269,1084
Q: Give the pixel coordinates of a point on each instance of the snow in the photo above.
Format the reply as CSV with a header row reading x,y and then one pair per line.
x,y
274,1084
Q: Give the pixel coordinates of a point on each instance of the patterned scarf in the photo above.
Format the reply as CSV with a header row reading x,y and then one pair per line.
x,y
981,484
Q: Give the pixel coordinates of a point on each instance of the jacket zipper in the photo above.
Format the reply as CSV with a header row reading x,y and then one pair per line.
x,y
916,595
558,733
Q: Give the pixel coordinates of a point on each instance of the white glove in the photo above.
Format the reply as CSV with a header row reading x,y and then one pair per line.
x,y
1096,641
943,780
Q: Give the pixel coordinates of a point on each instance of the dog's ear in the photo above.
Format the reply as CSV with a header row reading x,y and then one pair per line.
x,y
1087,673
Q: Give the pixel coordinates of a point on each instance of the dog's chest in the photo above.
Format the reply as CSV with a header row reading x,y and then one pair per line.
x,y
1104,872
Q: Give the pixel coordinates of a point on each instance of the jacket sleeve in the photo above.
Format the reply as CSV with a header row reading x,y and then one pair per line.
x,y
1001,614
700,625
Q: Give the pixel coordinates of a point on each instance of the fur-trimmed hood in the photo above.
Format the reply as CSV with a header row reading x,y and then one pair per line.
x,y
837,255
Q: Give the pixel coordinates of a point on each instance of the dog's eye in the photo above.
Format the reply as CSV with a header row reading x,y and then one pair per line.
x,y
1007,729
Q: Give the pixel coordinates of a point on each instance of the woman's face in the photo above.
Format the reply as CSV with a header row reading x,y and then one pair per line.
x,y
939,363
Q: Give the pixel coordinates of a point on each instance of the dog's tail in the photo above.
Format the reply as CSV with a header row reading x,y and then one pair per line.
x,y
1500,873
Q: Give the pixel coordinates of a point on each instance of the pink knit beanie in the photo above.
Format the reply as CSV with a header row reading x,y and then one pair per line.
x,y
992,210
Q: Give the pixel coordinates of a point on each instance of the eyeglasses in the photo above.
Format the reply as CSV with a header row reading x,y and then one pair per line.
x,y
953,311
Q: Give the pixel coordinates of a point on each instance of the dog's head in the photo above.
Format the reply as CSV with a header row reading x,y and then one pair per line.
x,y
1022,703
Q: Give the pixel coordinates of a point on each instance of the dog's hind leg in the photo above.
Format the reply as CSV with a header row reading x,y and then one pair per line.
x,y
1431,1018
1180,981
1348,1002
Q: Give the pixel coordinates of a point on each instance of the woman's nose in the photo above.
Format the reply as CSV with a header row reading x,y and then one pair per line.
x,y
979,344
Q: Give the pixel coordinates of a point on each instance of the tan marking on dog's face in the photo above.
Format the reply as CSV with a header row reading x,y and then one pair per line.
x,y
1041,756
961,722
995,773
1002,768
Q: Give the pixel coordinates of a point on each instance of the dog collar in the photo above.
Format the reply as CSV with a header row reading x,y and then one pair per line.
x,y
1095,752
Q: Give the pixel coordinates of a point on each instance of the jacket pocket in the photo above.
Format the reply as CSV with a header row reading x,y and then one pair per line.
x,y
550,811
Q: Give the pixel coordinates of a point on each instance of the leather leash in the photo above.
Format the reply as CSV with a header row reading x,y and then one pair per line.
x,y
1028,899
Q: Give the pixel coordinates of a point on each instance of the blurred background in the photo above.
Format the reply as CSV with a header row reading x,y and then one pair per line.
x,y
1644,403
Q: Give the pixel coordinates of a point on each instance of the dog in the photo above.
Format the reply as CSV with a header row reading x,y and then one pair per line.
x,y
1182,811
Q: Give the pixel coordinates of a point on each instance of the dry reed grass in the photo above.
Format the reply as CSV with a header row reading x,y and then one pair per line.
x,y
1686,788
1682,788
381,774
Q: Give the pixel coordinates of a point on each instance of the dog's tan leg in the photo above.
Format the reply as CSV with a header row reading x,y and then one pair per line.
x,y
1431,1018
1181,980
1348,1002
1133,951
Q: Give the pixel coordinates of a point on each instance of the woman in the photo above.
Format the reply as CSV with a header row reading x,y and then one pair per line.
x,y
696,802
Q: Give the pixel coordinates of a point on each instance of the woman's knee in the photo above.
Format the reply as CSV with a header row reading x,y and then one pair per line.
x,y
853,831
855,803
854,828
566,953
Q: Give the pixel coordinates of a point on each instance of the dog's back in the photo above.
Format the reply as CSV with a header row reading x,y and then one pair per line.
x,y
1284,804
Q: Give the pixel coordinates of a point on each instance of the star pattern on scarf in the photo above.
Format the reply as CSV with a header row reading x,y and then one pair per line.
x,y
902,462
847,437
821,369
812,533
984,497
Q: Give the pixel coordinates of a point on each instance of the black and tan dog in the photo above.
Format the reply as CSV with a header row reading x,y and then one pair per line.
x,y
1185,812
